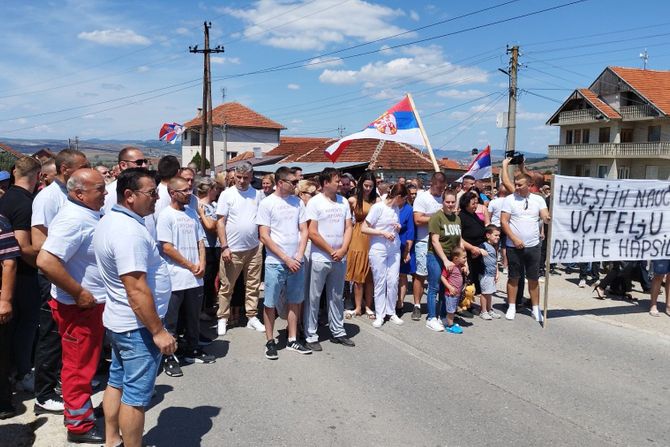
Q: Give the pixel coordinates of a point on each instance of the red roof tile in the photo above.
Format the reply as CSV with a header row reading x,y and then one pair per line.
x,y
242,156
599,104
445,163
11,151
654,85
295,147
236,115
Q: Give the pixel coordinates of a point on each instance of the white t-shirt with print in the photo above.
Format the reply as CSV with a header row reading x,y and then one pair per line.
x,y
524,219
427,204
240,209
181,229
331,217
71,240
123,245
283,217
385,218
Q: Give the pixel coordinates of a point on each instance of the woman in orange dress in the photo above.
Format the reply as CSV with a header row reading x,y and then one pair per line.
x,y
358,265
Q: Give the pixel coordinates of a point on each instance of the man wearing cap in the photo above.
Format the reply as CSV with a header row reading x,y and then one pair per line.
x,y
68,260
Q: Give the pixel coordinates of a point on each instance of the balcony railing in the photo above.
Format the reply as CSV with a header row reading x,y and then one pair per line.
x,y
637,111
660,149
578,116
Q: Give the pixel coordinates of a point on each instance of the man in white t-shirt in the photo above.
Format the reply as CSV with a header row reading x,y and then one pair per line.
x,y
425,205
495,209
129,157
137,284
282,225
241,252
182,244
48,355
68,260
330,229
520,220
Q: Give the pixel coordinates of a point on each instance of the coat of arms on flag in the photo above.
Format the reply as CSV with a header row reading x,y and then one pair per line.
x,y
170,131
400,123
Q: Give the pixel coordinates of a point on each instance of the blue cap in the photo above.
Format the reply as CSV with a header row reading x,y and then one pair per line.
x,y
4,175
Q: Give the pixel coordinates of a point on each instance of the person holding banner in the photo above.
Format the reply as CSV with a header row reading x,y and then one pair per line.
x,y
520,216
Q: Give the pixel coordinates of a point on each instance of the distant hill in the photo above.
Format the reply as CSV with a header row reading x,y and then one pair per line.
x,y
498,155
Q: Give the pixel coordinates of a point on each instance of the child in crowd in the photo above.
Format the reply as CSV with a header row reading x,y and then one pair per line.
x,y
489,277
452,278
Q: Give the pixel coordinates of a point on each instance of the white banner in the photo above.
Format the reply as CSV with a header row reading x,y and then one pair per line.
x,y
609,220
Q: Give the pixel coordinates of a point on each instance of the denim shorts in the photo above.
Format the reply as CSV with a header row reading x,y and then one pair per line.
x,y
135,363
278,279
452,303
661,267
420,251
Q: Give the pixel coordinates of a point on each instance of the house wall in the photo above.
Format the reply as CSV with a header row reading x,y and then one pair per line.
x,y
642,168
238,140
640,130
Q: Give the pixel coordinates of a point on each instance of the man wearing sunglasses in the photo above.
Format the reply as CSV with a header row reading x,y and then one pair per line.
x,y
129,157
520,218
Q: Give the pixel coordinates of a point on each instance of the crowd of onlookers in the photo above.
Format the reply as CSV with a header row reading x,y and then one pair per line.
x,y
129,261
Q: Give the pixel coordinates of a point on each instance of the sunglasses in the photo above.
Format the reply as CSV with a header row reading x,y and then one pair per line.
x,y
138,162
152,193
293,182
525,206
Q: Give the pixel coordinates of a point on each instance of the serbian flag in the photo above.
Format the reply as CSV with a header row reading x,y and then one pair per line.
x,y
399,123
170,131
481,166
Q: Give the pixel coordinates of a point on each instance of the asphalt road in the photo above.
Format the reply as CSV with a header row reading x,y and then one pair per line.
x,y
578,382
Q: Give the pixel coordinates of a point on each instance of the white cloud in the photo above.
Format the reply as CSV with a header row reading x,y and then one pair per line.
x,y
532,116
114,37
414,15
296,121
224,60
459,115
323,62
293,87
183,31
280,24
142,69
425,64
460,94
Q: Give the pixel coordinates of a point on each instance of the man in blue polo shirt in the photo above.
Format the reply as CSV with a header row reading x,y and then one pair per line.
x,y
137,283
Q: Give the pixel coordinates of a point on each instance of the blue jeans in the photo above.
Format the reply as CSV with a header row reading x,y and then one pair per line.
x,y
135,362
435,286
279,278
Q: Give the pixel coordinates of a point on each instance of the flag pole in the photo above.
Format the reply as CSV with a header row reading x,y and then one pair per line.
x,y
547,263
423,133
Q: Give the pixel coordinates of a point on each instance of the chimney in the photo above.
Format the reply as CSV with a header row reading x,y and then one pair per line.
x,y
199,112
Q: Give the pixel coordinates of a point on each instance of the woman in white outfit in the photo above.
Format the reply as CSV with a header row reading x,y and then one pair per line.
x,y
382,224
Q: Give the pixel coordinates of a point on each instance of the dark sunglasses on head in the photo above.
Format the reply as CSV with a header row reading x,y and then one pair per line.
x,y
139,161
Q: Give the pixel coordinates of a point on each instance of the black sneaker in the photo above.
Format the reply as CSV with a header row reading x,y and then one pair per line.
x,y
93,436
343,340
199,356
416,313
298,347
271,350
171,367
314,345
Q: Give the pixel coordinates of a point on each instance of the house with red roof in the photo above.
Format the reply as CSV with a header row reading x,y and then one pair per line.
x,y
237,129
618,127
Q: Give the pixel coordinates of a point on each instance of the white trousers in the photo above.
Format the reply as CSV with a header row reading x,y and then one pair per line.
x,y
385,266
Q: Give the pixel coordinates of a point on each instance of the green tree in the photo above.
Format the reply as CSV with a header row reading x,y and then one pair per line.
x,y
197,160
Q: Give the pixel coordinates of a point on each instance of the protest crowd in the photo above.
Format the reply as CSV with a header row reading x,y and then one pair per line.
x,y
125,264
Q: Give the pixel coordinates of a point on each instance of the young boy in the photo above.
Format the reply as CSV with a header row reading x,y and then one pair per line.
x,y
452,278
488,279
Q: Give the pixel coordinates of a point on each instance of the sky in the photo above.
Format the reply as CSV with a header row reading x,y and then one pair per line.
x,y
119,69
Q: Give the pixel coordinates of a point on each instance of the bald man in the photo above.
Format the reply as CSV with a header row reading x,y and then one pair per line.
x,y
182,242
68,261
129,157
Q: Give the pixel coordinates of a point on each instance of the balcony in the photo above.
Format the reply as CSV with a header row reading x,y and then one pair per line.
x,y
637,112
579,116
659,149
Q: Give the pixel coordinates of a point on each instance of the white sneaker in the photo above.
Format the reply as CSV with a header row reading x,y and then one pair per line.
x,y
495,315
511,313
49,406
538,316
396,319
582,283
485,316
378,323
221,326
255,324
434,325
27,383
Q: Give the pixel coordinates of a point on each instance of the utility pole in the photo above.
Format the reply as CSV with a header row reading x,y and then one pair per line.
x,y
511,115
340,130
206,129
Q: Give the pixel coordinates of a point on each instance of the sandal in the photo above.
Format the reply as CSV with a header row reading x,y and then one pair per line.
x,y
349,314
600,292
370,313
654,313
